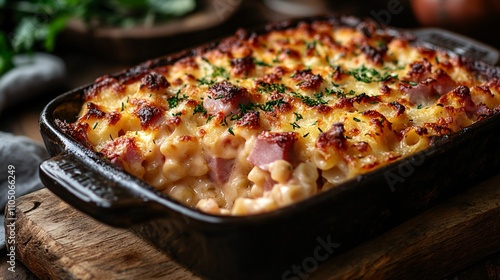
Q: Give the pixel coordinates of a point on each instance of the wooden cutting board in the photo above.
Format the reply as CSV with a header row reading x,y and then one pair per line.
x,y
57,242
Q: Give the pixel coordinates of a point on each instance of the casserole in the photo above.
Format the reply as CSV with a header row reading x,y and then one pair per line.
x,y
244,247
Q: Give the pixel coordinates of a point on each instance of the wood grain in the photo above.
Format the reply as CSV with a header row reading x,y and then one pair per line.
x,y
57,242
434,245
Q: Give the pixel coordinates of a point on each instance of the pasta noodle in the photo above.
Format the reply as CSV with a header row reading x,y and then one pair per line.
x,y
259,122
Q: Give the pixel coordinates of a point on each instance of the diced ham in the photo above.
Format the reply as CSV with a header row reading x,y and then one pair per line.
x,y
423,93
483,110
430,85
122,150
220,169
272,146
226,98
443,83
428,90
462,95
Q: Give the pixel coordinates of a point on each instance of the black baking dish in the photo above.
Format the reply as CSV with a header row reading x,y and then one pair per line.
x,y
265,246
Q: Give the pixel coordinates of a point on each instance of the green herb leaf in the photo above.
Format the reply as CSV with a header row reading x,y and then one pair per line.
x,y
309,101
199,109
294,125
368,75
261,63
175,100
268,88
6,54
298,116
269,105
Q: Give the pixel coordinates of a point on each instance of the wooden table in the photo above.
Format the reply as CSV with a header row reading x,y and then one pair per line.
x,y
56,241
458,239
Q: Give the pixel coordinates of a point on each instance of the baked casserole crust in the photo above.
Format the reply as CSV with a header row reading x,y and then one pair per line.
x,y
258,121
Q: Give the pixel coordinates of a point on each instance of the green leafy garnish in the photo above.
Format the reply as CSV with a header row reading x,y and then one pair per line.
x,y
35,25
309,101
368,75
268,88
175,100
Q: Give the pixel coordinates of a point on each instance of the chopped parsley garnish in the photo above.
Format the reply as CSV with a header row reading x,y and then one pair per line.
x,y
298,116
95,125
199,109
217,71
230,130
261,63
305,135
269,105
311,45
381,43
177,114
309,101
268,88
410,83
123,106
368,75
204,81
294,125
419,106
175,100
337,92
223,122
356,119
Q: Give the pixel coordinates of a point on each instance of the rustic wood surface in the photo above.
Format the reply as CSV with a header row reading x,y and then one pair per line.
x,y
57,242
87,247
434,245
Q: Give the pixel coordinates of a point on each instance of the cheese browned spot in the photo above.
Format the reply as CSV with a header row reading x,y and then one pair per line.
x,y
154,81
256,122
307,80
242,67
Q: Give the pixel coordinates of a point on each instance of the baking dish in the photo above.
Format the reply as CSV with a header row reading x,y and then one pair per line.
x,y
279,244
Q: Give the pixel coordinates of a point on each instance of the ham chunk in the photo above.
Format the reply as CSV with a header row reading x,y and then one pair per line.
x,y
272,146
429,90
220,169
226,98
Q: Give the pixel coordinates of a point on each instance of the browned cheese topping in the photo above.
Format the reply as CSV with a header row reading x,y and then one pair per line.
x,y
258,122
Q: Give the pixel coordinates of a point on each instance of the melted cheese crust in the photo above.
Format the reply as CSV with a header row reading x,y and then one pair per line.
x,y
262,121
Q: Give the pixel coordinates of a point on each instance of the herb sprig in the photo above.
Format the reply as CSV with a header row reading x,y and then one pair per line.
x,y
369,75
35,25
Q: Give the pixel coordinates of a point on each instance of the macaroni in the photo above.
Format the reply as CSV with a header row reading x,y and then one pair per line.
x,y
259,122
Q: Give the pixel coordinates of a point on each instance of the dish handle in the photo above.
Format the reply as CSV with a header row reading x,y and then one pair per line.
x,y
99,191
456,43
